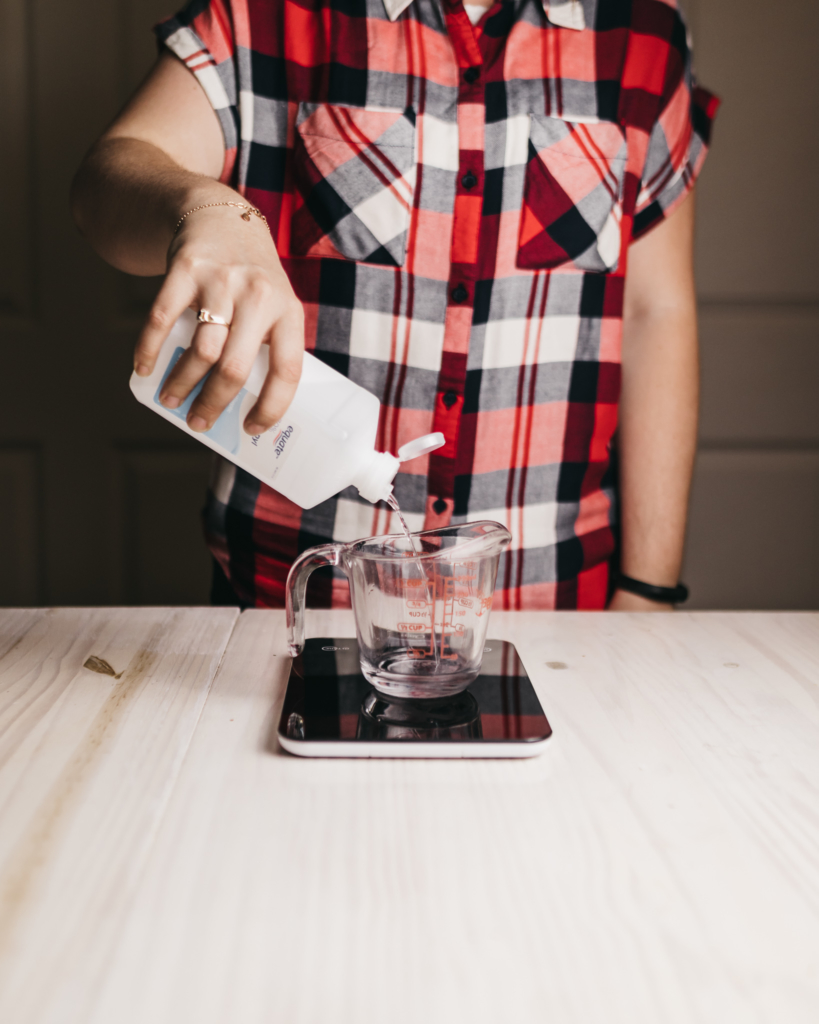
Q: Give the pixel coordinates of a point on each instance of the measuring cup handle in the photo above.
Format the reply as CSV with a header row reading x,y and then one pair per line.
x,y
313,558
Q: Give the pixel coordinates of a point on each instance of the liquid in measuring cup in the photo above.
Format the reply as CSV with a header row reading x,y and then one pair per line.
x,y
423,576
439,625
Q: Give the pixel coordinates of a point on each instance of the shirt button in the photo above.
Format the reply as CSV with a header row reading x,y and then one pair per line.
x,y
439,507
469,180
471,75
449,399
460,294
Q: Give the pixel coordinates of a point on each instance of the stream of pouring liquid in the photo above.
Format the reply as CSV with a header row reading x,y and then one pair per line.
x,y
391,501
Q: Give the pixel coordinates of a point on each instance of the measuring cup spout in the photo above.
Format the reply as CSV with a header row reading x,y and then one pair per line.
x,y
327,554
484,536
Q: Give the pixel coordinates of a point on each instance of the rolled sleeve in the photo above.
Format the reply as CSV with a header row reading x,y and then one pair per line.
x,y
678,139
201,36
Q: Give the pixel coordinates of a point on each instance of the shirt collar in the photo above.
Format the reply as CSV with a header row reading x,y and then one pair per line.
x,y
565,13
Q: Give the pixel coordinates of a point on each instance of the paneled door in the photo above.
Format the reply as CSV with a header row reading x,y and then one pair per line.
x,y
100,499
753,538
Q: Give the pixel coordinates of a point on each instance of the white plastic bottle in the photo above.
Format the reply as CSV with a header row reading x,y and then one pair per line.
x,y
323,443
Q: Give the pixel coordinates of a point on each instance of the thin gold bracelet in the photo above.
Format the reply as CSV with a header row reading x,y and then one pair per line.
x,y
241,206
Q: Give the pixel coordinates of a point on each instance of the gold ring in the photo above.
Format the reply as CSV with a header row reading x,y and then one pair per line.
x,y
206,317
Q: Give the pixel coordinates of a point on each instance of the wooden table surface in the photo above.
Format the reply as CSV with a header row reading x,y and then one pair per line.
x,y
163,862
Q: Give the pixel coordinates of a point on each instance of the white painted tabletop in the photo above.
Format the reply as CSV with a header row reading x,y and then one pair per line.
x,y
163,862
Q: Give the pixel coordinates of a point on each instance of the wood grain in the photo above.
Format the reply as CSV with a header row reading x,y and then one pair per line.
x,y
87,763
657,864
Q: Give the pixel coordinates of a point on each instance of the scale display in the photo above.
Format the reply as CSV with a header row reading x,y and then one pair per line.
x,y
330,709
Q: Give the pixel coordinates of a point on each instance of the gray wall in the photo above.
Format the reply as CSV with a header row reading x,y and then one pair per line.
x,y
99,499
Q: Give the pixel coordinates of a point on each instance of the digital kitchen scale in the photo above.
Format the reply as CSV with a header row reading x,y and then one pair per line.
x,y
330,710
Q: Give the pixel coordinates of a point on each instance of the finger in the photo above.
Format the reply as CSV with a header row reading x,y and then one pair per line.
x,y
205,350
251,322
286,354
177,293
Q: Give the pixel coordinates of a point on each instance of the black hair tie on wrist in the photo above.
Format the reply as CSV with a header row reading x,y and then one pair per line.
x,y
663,595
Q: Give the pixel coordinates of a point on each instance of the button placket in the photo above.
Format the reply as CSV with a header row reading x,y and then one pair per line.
x,y
466,227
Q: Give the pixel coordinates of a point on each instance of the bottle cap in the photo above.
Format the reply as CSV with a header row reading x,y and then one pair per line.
x,y
421,446
374,480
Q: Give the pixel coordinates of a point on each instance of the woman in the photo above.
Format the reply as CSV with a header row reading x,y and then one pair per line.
x,y
484,216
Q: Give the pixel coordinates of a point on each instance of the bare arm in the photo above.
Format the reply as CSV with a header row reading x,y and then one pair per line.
x,y
658,405
162,157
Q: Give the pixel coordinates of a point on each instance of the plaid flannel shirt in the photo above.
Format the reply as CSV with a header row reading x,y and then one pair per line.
x,y
454,205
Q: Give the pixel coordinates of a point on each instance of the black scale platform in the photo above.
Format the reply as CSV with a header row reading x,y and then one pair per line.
x,y
330,709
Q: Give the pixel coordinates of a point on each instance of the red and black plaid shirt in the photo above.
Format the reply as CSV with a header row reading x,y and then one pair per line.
x,y
454,206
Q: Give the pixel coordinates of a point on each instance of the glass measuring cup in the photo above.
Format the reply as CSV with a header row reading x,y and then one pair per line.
x,y
421,615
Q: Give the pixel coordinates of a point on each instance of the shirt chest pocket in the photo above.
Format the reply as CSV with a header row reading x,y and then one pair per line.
x,y
573,195
354,177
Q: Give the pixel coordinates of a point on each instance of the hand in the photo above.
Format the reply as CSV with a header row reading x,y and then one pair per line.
x,y
230,266
625,601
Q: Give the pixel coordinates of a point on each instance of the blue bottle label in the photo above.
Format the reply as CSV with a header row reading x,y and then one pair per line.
x,y
263,454
227,430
